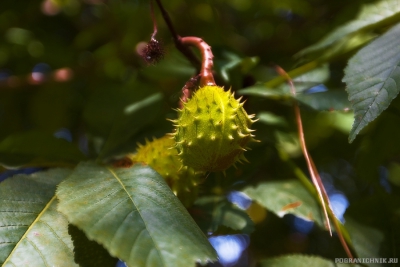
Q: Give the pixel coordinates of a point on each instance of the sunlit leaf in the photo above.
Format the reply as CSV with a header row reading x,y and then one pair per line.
x,y
297,260
32,231
341,121
286,197
385,12
35,148
373,77
133,213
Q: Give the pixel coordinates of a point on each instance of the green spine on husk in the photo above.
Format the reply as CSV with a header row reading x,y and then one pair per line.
x,y
161,155
212,130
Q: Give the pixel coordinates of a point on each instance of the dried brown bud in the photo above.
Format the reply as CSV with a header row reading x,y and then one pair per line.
x,y
153,52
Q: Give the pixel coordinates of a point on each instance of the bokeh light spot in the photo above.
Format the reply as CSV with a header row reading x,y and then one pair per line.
x,y
35,48
50,8
229,247
240,199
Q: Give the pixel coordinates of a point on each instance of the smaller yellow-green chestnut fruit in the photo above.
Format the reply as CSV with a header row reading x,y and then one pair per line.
x,y
161,155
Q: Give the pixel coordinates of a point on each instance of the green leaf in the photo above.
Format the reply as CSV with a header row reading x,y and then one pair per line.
x,y
135,116
327,100
286,197
366,240
272,119
373,79
223,212
297,260
262,91
232,68
31,229
371,16
303,82
330,100
36,148
134,215
311,78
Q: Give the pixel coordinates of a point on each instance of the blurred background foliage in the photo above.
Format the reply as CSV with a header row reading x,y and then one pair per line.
x,y
70,70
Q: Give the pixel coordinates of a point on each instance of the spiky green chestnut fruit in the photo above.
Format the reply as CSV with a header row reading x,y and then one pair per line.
x,y
212,130
161,155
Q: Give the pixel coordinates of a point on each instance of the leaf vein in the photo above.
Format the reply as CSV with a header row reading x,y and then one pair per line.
x,y
145,223
38,250
58,237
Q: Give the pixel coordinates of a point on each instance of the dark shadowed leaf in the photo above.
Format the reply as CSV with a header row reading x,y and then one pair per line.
x,y
133,213
373,77
32,231
222,212
232,68
133,118
284,197
366,240
174,64
329,100
297,260
89,253
58,100
38,149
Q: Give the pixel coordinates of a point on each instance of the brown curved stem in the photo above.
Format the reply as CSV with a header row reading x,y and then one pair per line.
x,y
316,179
206,75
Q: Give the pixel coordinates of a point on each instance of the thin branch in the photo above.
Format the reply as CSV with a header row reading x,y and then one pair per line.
x,y
316,179
177,39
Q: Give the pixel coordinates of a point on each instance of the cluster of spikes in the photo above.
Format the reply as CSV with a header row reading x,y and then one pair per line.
x,y
160,155
212,130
